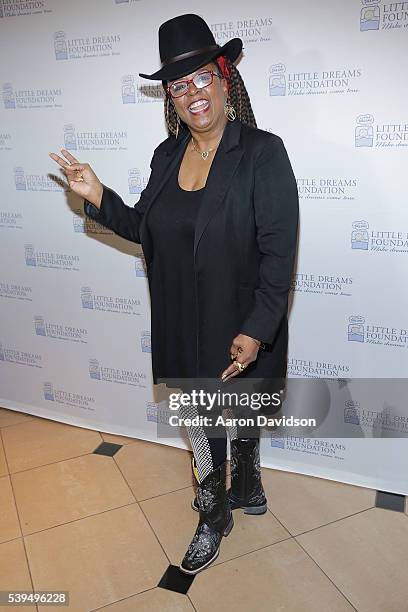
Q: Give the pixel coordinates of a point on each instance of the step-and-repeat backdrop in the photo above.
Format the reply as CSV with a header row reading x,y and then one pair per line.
x,y
331,79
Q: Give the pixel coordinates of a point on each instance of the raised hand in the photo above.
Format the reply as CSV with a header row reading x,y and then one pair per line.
x,y
81,178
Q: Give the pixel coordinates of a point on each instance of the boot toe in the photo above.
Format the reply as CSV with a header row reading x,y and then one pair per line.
x,y
203,549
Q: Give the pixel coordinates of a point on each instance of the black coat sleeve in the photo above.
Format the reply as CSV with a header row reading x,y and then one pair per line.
x,y
116,215
276,207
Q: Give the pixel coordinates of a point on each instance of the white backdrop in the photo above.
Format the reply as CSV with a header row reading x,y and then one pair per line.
x,y
331,79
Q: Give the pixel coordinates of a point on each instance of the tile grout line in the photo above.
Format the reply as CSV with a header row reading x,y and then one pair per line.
x,y
111,603
335,521
249,552
327,576
18,518
35,467
141,509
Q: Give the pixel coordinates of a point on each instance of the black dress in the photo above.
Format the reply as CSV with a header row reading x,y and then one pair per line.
x,y
171,222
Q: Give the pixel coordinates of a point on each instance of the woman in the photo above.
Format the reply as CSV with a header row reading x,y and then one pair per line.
x,y
218,225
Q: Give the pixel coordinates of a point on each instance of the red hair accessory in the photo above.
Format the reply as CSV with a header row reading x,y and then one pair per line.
x,y
224,68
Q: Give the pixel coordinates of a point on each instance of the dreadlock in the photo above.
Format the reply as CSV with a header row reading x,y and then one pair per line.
x,y
237,93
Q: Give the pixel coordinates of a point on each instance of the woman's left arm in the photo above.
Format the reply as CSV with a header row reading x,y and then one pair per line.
x,y
276,206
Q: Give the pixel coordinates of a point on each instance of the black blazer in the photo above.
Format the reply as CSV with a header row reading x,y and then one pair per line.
x,y
244,245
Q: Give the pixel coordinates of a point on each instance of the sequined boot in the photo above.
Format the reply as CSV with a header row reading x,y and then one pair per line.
x,y
246,490
215,522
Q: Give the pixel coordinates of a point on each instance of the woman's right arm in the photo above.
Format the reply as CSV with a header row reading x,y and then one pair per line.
x,y
101,203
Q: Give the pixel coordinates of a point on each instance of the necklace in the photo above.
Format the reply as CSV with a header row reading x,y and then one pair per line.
x,y
204,154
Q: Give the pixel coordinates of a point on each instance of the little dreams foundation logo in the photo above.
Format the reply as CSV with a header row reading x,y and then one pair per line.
x,y
23,8
385,419
100,371
6,141
109,303
20,357
308,368
375,15
359,330
11,219
16,291
322,284
99,140
29,97
50,259
254,29
86,46
87,225
137,91
364,238
369,133
68,398
59,330
284,82
311,446
28,181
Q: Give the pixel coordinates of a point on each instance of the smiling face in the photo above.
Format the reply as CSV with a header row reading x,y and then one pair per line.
x,y
202,109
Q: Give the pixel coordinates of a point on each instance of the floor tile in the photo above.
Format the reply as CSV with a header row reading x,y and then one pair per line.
x,y
279,578
68,490
106,437
304,502
14,572
99,559
13,417
9,524
366,556
41,441
174,522
153,469
3,463
155,600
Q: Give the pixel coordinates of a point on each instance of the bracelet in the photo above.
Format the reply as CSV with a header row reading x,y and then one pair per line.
x,y
261,345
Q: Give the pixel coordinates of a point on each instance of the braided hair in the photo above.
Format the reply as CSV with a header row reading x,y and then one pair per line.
x,y
237,93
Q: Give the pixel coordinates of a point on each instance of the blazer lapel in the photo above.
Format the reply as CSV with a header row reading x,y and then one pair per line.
x,y
167,159
224,164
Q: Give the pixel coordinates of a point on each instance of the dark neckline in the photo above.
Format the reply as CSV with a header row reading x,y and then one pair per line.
x,y
189,190
177,175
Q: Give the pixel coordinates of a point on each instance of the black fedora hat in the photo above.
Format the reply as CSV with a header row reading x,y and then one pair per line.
x,y
185,44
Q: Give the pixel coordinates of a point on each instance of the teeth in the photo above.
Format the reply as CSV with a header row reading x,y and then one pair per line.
x,y
198,104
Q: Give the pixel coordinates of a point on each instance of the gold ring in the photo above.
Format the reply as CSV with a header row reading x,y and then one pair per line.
x,y
240,366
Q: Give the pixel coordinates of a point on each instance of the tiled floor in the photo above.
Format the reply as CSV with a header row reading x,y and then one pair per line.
x,y
106,528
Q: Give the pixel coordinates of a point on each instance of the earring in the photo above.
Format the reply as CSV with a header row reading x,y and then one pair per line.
x,y
229,111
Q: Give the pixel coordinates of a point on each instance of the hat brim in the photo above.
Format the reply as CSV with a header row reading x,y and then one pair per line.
x,y
231,49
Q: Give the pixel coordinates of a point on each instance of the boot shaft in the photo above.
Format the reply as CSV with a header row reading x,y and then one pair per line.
x,y
246,470
212,498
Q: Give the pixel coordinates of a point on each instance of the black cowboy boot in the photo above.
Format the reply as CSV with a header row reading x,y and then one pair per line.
x,y
246,490
215,521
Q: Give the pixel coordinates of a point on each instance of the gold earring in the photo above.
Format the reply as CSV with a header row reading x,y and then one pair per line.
x,y
229,111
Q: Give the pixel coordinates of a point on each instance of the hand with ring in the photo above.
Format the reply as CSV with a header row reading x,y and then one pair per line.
x,y
81,178
243,351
